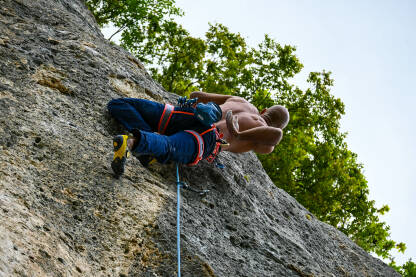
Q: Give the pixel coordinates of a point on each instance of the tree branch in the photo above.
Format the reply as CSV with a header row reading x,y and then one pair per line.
x,y
118,31
190,84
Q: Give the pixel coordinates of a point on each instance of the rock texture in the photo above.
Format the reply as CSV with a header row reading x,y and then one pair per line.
x,y
63,214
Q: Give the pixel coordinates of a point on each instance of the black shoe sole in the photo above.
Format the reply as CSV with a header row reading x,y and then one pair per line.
x,y
118,163
118,166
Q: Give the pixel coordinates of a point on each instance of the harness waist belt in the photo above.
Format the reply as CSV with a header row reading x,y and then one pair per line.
x,y
200,147
168,111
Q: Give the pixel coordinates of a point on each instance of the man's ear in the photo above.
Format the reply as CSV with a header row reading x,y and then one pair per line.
x,y
263,111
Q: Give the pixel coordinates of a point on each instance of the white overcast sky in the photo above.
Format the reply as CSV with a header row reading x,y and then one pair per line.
x,y
369,47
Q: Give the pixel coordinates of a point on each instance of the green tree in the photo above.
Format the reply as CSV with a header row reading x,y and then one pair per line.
x,y
141,17
408,269
175,61
313,162
314,165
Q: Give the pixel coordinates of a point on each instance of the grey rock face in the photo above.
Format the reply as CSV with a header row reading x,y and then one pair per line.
x,y
63,214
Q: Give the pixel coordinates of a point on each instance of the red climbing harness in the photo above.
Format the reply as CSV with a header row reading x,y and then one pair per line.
x,y
165,118
168,111
200,147
217,149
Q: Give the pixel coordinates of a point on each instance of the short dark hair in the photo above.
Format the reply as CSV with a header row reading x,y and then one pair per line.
x,y
276,116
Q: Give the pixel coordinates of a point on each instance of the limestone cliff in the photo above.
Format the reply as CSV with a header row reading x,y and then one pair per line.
x,y
63,214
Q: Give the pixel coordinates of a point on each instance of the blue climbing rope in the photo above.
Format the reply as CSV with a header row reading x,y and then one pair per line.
x,y
178,220
178,213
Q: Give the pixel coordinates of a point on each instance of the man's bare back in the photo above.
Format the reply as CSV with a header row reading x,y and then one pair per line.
x,y
244,128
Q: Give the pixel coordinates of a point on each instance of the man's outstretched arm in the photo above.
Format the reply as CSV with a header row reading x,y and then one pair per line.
x,y
204,97
263,135
262,138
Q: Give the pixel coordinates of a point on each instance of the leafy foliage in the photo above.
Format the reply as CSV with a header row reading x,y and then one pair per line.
x,y
314,165
406,270
139,17
313,162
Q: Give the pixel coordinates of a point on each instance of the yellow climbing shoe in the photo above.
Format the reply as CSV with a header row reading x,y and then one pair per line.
x,y
120,154
146,160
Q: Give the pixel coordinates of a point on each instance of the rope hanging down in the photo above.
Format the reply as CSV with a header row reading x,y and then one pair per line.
x,y
178,220
180,185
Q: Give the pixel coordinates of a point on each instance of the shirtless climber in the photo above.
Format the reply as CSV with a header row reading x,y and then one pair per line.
x,y
185,133
244,128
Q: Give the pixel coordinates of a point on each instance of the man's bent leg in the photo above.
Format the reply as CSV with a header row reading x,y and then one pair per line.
x,y
134,113
180,147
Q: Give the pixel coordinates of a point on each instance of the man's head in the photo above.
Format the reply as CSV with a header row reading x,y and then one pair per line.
x,y
276,116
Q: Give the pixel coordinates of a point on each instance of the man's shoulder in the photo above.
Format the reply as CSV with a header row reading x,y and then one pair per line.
x,y
237,99
239,104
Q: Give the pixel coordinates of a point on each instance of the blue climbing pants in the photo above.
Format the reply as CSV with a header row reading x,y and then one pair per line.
x,y
144,115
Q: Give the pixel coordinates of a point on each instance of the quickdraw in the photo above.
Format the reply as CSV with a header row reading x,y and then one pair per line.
x,y
217,149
